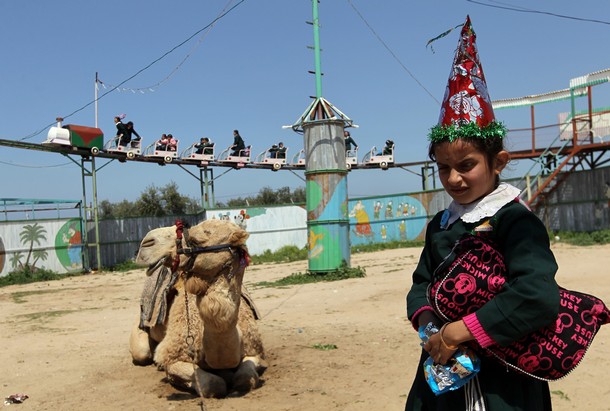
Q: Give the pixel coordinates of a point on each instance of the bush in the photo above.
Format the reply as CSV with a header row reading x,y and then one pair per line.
x,y
29,275
125,266
285,254
342,273
291,253
370,248
583,238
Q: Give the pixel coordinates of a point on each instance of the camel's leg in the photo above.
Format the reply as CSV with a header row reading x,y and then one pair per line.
x,y
186,375
222,350
219,309
183,339
246,377
140,346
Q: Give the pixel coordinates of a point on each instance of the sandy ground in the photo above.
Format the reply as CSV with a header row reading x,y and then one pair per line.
x,y
65,343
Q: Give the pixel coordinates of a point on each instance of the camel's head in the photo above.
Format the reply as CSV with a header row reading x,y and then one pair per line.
x,y
210,248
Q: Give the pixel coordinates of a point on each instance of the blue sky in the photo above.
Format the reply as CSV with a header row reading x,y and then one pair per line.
x,y
249,72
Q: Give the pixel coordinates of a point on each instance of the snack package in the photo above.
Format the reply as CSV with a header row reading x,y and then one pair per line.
x,y
459,369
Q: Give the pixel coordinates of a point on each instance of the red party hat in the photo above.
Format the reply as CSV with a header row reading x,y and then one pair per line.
x,y
466,111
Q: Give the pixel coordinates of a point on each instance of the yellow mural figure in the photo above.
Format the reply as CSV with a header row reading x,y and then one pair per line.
x,y
402,229
314,248
363,226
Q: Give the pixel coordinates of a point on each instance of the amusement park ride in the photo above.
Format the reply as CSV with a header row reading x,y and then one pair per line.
x,y
82,140
582,142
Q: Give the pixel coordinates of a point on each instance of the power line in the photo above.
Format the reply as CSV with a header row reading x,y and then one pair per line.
x,y
27,166
391,52
171,74
139,71
524,10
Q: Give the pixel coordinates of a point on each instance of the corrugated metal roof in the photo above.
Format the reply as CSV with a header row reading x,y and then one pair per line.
x,y
558,95
577,89
591,79
34,201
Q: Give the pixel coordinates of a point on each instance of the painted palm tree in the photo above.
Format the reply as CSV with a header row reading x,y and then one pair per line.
x,y
32,234
15,260
40,254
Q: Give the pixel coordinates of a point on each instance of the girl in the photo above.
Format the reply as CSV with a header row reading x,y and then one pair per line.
x,y
467,146
469,170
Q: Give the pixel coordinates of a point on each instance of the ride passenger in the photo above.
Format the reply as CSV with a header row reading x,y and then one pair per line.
x,y
277,151
121,130
388,149
205,146
348,141
238,144
172,143
126,139
162,142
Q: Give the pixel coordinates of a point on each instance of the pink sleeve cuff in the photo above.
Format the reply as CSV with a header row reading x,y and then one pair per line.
x,y
477,330
414,321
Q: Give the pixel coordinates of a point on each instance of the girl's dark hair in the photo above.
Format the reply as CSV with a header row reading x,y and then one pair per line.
x,y
489,146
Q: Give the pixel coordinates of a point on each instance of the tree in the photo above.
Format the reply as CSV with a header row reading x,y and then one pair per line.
x,y
153,201
167,200
268,196
149,203
126,209
106,209
174,203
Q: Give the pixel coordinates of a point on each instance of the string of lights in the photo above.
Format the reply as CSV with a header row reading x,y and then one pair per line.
x,y
118,86
153,87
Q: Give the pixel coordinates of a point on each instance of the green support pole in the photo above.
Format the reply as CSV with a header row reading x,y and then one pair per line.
x,y
316,42
98,253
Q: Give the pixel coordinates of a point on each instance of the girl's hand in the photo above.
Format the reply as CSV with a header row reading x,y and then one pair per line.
x,y
440,353
442,345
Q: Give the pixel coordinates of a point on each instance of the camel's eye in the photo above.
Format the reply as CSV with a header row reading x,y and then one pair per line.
x,y
148,242
204,239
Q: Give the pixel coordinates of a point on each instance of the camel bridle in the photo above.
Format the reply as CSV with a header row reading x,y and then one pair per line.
x,y
192,252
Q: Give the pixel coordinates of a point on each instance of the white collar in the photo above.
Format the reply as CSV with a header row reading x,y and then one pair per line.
x,y
485,207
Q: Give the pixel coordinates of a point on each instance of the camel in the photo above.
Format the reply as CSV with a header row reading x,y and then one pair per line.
x,y
209,340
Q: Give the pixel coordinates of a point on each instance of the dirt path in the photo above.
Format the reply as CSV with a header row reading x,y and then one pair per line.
x,y
64,343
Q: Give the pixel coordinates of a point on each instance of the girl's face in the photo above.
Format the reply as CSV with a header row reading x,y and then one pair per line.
x,y
465,172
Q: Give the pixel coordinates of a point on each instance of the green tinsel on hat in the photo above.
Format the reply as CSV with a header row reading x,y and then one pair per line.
x,y
440,133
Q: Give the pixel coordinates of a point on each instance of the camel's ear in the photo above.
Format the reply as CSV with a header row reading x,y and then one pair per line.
x,y
238,237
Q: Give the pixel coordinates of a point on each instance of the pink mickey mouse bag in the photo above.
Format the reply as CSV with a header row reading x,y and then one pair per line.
x,y
547,354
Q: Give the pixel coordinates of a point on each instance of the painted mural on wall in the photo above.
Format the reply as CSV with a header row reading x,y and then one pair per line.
x,y
33,254
53,245
270,228
390,218
68,245
328,242
2,255
378,219
326,196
